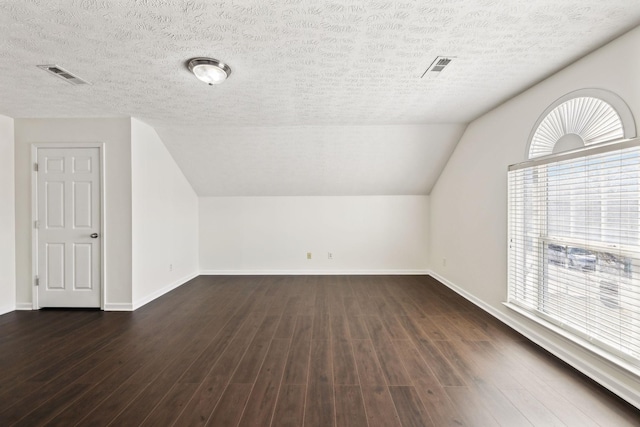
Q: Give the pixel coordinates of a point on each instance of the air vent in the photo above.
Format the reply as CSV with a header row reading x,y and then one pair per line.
x,y
63,74
438,65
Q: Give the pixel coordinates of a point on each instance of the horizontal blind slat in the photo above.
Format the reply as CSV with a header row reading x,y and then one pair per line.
x,y
574,244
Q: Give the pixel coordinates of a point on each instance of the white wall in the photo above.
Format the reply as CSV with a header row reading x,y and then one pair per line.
x,y
469,201
164,217
116,134
7,218
273,234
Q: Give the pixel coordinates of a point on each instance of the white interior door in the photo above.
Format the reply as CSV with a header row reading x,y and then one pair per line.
x,y
68,227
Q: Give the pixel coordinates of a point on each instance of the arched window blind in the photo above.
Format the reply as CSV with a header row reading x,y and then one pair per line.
x,y
592,119
574,243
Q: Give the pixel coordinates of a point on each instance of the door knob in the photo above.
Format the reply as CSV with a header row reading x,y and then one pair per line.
x,y
94,235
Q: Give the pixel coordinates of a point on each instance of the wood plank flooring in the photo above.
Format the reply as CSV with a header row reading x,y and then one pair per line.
x,y
358,351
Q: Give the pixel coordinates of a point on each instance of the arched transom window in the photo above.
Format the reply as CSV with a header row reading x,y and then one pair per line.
x,y
579,119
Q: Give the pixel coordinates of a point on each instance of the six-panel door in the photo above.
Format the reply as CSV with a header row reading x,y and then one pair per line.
x,y
68,197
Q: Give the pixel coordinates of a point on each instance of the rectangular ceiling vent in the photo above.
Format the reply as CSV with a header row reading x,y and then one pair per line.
x,y
63,74
438,65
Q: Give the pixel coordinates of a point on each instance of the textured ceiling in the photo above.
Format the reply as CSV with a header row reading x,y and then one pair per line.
x,y
297,65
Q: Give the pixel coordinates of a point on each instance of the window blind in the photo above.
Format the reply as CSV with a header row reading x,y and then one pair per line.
x,y
574,244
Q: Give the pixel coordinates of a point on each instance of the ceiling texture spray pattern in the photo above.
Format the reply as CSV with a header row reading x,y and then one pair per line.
x,y
296,63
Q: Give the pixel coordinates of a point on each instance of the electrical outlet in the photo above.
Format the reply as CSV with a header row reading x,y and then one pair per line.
x,y
170,267
308,255
444,262
329,255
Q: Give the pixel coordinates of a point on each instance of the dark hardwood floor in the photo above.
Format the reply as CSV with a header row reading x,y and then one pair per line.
x,y
291,351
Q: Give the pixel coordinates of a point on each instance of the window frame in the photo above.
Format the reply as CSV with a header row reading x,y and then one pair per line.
x,y
541,240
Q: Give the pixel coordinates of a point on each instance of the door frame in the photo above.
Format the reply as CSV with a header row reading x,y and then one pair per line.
x,y
34,214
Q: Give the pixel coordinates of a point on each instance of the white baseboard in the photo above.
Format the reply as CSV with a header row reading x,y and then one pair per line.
x,y
107,307
118,306
7,309
566,354
147,299
310,272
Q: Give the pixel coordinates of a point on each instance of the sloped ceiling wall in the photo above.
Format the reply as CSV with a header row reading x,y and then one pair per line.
x,y
313,160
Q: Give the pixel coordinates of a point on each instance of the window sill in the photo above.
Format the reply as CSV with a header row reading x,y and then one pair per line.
x,y
624,366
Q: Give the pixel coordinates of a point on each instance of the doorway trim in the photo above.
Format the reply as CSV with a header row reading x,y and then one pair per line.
x,y
34,214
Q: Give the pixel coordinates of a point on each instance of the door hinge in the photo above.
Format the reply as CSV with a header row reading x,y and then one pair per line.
x,y
35,167
36,224
37,281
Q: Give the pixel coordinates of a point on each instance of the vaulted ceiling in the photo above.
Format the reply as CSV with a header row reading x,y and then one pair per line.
x,y
325,97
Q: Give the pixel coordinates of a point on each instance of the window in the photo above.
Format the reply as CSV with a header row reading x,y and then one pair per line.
x,y
574,241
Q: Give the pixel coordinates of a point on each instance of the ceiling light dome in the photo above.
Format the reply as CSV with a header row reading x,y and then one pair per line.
x,y
209,70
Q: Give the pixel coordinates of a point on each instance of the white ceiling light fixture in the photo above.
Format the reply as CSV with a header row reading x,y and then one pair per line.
x,y
209,70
